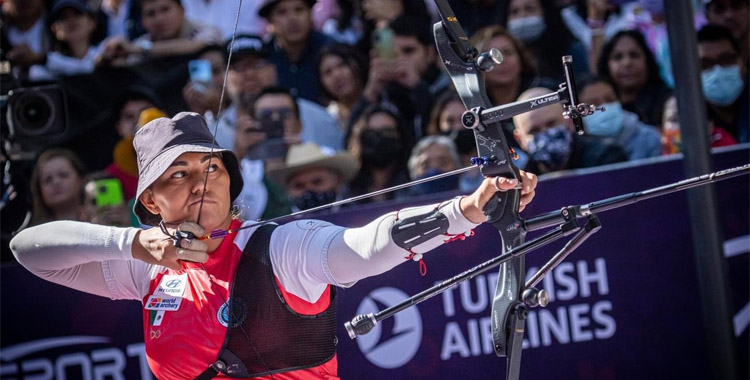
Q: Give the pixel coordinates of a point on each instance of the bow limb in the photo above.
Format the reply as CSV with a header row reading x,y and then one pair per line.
x,y
463,65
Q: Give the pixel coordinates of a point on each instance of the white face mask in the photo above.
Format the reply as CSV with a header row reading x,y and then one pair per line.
x,y
527,29
607,123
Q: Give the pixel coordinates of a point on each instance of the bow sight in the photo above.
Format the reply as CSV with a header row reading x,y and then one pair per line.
x,y
514,296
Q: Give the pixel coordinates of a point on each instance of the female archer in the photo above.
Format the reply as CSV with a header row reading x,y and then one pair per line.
x,y
257,302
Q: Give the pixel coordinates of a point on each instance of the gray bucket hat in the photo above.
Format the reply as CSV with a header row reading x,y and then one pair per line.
x,y
159,142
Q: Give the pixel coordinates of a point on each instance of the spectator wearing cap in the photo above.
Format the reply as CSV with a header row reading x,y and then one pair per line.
x,y
251,71
735,16
73,51
168,33
294,45
262,140
314,176
24,36
725,81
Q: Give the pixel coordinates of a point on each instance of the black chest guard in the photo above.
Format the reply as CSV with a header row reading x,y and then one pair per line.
x,y
265,336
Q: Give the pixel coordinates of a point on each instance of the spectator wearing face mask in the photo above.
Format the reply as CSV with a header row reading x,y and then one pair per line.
x,y
433,155
377,143
615,124
629,65
552,145
671,138
538,24
725,81
314,176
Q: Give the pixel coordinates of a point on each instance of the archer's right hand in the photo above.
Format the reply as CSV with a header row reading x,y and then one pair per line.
x,y
153,247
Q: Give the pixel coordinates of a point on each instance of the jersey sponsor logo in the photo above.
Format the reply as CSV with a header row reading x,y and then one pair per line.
x,y
172,286
163,303
394,341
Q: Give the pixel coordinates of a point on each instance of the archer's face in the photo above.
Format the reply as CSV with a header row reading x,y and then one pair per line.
x,y
176,194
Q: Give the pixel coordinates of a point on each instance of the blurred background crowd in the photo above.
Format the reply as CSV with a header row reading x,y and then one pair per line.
x,y
329,99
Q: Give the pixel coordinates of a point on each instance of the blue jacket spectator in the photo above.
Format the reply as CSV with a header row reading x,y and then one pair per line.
x,y
294,45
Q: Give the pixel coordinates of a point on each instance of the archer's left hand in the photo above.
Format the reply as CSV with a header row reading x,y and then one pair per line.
x,y
472,205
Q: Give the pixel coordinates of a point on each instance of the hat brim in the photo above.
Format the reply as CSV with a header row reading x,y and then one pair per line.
x,y
344,164
160,163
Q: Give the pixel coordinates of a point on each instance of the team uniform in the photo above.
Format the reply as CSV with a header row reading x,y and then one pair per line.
x,y
185,312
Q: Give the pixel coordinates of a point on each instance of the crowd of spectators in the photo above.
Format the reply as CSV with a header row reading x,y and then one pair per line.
x,y
326,99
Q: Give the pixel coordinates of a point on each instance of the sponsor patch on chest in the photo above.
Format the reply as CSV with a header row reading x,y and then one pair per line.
x,y
172,285
163,303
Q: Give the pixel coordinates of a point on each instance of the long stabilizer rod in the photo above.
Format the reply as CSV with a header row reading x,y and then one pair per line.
x,y
555,217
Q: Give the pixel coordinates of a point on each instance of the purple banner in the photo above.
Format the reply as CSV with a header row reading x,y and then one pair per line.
x,y
625,305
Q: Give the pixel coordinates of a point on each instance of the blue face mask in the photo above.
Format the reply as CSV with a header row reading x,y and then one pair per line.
x,y
607,123
527,29
722,85
552,147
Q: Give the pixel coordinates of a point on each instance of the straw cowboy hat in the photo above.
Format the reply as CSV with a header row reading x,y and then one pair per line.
x,y
309,155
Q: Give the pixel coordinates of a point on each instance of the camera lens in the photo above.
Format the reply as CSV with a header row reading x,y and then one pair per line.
x,y
34,111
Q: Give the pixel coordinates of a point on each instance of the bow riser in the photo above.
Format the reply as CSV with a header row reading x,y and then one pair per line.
x,y
502,210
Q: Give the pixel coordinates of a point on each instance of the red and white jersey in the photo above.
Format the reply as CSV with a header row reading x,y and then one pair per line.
x,y
183,314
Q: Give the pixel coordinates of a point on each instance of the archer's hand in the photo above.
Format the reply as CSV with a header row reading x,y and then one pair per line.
x,y
153,247
473,205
